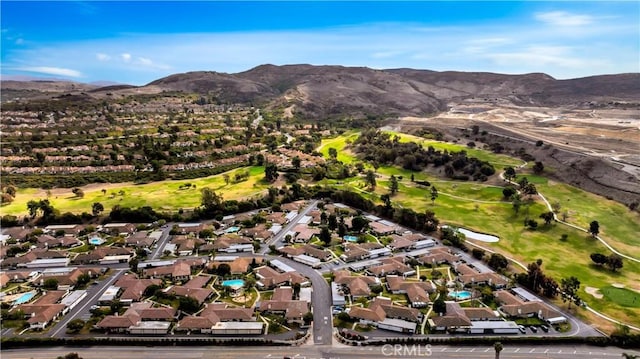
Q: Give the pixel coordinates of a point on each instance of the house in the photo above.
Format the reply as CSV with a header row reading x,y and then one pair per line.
x,y
140,318
282,303
230,243
45,310
199,294
140,240
186,245
270,278
67,277
356,286
20,234
47,241
417,292
221,319
179,271
190,228
454,320
276,217
238,265
119,229
68,229
133,289
105,255
37,254
393,265
438,256
382,314
307,249
259,232
382,228
515,307
303,233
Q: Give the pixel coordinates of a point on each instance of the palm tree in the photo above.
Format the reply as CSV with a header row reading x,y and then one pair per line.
x,y
498,347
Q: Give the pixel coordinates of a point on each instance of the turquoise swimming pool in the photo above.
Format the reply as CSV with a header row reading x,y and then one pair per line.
x,y
232,229
233,283
350,238
24,298
460,295
96,241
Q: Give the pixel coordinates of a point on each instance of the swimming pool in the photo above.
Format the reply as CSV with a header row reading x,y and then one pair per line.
x,y
460,295
233,283
24,298
350,238
232,229
96,241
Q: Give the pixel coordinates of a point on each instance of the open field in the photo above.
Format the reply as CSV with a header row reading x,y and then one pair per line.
x,y
164,195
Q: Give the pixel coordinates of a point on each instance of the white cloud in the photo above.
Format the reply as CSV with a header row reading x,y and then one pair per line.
x,y
103,57
20,41
50,70
146,62
126,57
563,18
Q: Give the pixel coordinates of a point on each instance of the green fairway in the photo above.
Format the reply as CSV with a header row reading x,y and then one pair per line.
x,y
164,195
622,296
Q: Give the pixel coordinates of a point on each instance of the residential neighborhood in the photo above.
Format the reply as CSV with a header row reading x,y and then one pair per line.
x,y
212,279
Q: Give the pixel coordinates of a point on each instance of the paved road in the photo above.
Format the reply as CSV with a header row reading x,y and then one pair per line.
x,y
82,309
277,240
157,252
321,302
314,352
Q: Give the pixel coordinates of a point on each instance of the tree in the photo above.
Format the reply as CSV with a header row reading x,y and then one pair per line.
x,y
97,208
210,200
359,223
530,189
538,167
509,173
547,217
78,192
325,235
477,253
83,279
133,264
534,277
370,179
393,185
564,237
332,222
308,318
50,284
223,269
508,192
333,153
497,346
599,258
614,262
296,290
497,261
569,290
516,202
434,194
594,228
439,306
549,287
188,304
532,224
75,325
296,162
271,172
10,190
226,178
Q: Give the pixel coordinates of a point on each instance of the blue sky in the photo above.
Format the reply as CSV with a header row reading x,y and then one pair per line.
x,y
138,42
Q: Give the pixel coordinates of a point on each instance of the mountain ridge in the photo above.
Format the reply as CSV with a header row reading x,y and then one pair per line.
x,y
328,90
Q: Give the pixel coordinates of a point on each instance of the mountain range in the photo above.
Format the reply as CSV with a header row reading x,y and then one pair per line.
x,y
319,91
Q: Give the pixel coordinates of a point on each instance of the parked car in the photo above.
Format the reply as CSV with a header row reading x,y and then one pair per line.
x,y
522,329
533,329
545,328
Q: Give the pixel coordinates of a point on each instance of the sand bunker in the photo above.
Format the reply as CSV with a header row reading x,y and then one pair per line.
x,y
617,285
595,292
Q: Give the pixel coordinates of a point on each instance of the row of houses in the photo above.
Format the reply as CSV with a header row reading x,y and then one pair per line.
x,y
49,307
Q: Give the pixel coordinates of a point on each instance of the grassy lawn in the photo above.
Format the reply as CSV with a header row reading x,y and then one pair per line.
x,y
163,195
622,296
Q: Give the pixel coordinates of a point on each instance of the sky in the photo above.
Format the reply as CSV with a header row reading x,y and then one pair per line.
x,y
138,42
